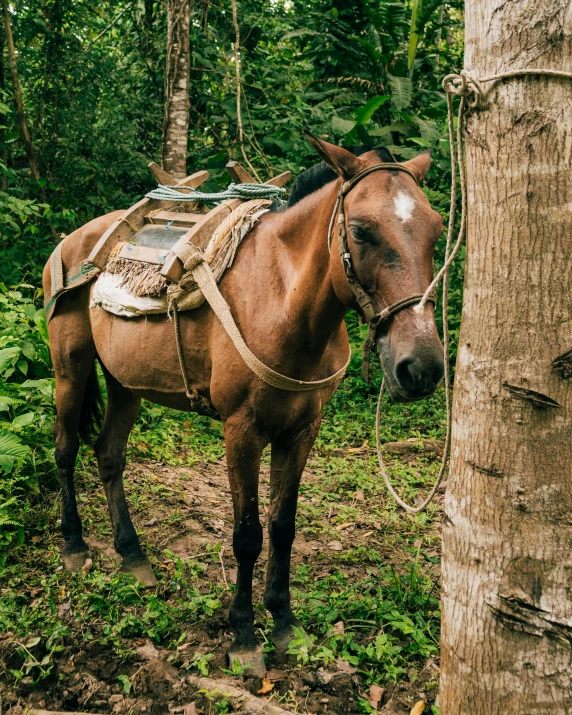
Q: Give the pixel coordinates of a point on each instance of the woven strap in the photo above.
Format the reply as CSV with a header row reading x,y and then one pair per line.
x,y
196,264
80,274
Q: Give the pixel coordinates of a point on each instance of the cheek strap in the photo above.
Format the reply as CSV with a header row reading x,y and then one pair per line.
x,y
364,301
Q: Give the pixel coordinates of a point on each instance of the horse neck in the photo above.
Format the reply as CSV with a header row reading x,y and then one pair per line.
x,y
310,301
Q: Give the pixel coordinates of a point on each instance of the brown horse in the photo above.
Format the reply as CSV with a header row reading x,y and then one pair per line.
x,y
288,294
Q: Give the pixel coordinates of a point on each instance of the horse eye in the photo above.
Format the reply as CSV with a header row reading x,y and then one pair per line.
x,y
360,234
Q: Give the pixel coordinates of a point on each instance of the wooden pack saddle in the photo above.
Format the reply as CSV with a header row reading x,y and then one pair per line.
x,y
151,227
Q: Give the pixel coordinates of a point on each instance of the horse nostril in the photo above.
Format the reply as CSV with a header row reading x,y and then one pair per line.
x,y
416,375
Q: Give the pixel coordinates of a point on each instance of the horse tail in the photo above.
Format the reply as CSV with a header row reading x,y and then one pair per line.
x,y
92,409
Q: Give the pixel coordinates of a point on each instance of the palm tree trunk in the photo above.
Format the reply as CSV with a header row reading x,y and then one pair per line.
x,y
176,118
507,528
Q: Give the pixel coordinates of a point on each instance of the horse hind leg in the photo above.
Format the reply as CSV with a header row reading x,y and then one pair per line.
x,y
110,448
70,391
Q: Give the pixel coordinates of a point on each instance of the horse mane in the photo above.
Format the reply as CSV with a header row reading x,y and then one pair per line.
x,y
320,174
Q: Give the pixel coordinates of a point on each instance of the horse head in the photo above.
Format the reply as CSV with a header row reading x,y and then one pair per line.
x,y
390,235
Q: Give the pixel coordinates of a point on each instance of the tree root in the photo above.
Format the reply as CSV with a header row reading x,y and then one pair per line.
x,y
252,704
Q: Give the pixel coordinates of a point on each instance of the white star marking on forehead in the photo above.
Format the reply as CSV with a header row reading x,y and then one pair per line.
x,y
404,206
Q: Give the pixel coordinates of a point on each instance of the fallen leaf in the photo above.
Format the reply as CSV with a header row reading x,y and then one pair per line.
x,y
338,628
87,565
275,674
267,686
35,539
150,523
64,608
335,545
232,575
341,527
376,695
345,667
190,709
367,533
359,495
418,708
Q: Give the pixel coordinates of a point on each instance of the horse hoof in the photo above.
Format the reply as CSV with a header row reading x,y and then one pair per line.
x,y
282,638
250,659
142,571
75,562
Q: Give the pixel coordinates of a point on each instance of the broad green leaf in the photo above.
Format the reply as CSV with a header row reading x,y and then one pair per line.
x,y
8,358
23,420
429,130
400,127
22,365
11,449
365,113
5,402
343,126
416,9
401,90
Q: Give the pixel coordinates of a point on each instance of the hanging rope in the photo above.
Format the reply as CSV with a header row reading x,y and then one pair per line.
x,y
234,191
472,93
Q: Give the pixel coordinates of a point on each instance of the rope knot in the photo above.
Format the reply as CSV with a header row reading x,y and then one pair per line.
x,y
465,84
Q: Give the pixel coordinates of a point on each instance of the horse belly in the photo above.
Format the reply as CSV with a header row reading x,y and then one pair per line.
x,y
141,354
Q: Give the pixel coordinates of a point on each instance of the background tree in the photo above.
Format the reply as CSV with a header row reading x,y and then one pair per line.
x,y
507,601
176,120
23,124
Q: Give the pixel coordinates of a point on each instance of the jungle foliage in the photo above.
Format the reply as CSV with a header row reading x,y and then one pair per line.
x,y
354,72
92,84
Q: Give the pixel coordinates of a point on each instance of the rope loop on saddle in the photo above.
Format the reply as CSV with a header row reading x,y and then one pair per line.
x,y
234,191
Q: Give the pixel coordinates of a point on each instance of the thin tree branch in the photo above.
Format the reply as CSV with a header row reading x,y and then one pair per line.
x,y
240,130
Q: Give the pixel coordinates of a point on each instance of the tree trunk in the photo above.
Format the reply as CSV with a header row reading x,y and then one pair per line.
x,y
3,152
29,147
507,532
176,120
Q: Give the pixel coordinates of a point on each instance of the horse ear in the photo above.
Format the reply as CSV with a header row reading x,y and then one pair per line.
x,y
342,161
419,165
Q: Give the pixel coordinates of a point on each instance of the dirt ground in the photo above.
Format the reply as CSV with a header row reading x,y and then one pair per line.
x,y
187,511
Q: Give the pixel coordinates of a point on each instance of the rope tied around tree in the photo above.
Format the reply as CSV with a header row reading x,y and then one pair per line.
x,y
234,191
472,93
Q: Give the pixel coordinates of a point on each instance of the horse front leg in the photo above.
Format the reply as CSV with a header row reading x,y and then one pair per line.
x,y
243,451
289,457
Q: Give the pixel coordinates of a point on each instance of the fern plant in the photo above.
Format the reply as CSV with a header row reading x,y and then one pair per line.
x,y
12,450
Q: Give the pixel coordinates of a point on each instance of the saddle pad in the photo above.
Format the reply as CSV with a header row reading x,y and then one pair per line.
x,y
107,292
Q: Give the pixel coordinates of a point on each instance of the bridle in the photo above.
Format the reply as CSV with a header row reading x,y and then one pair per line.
x,y
372,319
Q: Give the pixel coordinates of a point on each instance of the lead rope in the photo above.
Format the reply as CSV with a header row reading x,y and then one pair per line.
x,y
444,274
470,91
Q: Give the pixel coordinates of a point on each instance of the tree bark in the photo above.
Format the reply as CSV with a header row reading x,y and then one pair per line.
x,y
28,145
507,532
176,120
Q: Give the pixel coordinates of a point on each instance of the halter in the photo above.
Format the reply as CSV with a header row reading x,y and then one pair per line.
x,y
373,319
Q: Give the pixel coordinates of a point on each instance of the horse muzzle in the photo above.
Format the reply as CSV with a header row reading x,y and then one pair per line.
x,y
414,375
